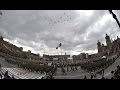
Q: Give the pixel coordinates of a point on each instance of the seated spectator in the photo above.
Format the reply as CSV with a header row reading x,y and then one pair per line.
x,y
1,75
13,77
6,73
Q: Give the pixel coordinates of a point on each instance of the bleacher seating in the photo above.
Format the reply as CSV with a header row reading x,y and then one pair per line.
x,y
22,74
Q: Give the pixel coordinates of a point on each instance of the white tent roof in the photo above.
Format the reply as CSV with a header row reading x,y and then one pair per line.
x,y
104,57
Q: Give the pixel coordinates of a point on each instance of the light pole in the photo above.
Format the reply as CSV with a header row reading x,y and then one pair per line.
x,y
61,51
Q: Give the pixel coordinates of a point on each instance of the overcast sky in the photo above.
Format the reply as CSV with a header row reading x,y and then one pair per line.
x,y
42,30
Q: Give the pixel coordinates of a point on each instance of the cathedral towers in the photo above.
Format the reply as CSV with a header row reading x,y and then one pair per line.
x,y
102,49
108,41
111,47
99,46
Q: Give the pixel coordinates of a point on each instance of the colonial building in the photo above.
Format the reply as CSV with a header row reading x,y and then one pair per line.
x,y
80,56
110,48
55,57
92,56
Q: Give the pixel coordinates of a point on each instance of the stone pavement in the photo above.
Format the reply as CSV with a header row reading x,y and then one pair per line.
x,y
81,73
110,68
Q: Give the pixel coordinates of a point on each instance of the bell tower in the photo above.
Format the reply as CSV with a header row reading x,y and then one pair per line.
x,y
99,46
108,41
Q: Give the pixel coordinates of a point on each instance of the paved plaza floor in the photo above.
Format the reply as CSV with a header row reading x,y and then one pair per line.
x,y
81,73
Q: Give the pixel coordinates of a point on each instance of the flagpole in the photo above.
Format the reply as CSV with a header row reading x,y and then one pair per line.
x,y
61,51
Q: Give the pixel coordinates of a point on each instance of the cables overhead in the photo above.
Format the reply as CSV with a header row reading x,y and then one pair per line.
x,y
115,17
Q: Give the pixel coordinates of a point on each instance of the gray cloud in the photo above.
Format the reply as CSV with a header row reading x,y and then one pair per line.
x,y
43,30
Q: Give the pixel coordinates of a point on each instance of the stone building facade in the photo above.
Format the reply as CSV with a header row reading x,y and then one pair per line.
x,y
56,57
110,48
81,56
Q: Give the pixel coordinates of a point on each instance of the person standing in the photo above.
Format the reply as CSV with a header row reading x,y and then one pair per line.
x,y
85,77
67,68
71,68
76,67
1,75
13,77
103,78
103,73
92,76
95,75
6,74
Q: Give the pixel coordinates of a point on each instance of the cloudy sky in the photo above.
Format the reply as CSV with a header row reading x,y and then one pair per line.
x,y
42,30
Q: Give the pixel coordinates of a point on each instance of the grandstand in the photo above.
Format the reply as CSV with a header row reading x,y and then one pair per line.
x,y
19,73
